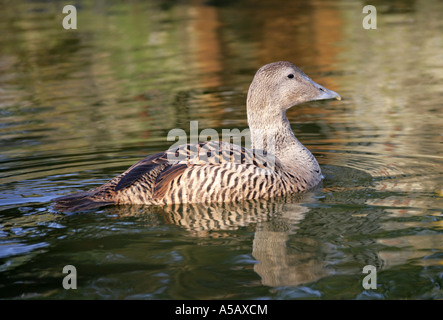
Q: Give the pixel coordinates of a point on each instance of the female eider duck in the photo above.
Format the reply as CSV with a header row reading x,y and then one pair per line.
x,y
212,171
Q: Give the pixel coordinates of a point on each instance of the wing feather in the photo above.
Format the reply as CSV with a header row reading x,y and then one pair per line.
x,y
164,179
140,169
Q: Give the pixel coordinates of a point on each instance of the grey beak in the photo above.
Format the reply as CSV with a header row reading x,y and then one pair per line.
x,y
327,94
324,93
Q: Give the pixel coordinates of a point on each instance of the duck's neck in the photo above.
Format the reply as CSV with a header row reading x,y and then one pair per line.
x,y
273,134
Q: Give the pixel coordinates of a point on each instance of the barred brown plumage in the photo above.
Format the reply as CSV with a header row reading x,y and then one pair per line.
x,y
216,171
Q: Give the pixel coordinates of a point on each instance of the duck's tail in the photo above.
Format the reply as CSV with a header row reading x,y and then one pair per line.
x,y
79,202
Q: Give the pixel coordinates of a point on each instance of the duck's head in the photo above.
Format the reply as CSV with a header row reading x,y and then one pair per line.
x,y
280,85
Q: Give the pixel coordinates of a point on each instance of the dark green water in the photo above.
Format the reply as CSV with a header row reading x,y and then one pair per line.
x,y
78,107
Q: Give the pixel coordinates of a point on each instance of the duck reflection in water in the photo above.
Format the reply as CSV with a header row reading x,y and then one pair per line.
x,y
273,221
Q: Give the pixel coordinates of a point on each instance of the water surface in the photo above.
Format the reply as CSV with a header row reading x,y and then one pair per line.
x,y
78,107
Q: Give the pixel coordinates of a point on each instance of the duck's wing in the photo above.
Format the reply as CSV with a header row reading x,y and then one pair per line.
x,y
142,168
161,168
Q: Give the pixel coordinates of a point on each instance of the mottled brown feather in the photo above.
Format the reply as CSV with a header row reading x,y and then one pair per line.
x,y
164,179
141,168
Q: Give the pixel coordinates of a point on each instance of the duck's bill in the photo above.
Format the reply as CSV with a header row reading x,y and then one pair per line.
x,y
323,93
328,94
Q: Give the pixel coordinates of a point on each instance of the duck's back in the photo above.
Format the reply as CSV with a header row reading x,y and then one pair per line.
x,y
205,172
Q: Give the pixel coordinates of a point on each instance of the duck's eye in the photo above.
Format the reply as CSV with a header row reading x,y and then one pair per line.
x,y
290,76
